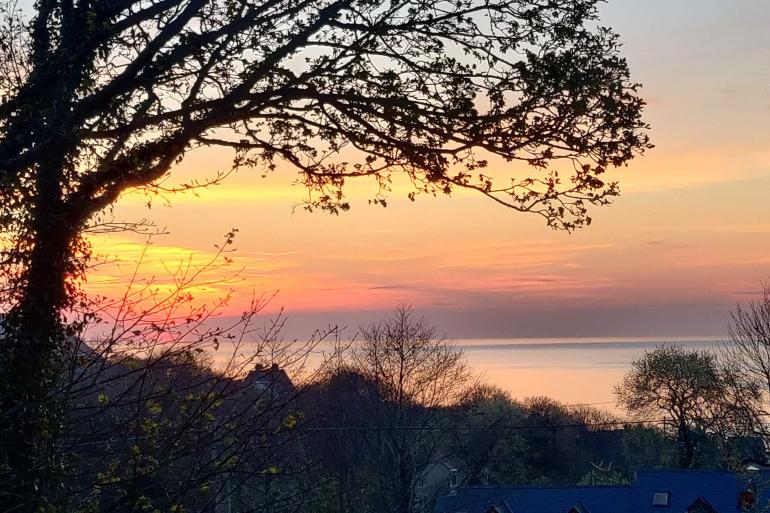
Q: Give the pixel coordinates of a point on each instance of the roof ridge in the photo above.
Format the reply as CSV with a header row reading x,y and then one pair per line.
x,y
548,487
690,471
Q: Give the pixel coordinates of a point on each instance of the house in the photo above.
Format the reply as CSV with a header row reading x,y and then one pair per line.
x,y
658,491
272,380
436,478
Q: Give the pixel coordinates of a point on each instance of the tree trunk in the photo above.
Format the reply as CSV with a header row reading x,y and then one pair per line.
x,y
404,481
686,447
33,351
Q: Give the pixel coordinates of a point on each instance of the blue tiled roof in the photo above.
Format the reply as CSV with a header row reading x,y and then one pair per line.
x,y
597,499
594,499
720,489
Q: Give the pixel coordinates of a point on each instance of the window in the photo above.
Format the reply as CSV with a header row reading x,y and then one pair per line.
x,y
701,505
660,499
579,508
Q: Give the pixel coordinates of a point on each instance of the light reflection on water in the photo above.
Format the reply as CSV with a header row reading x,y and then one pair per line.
x,y
580,370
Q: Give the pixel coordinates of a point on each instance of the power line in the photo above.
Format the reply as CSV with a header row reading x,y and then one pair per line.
x,y
613,423
490,428
588,425
588,404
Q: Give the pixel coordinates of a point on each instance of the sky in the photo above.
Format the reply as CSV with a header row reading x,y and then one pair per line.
x,y
688,238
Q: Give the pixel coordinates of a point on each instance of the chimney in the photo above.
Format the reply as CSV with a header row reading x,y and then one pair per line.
x,y
748,498
453,478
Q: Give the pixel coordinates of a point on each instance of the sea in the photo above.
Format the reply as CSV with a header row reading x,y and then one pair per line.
x,y
575,371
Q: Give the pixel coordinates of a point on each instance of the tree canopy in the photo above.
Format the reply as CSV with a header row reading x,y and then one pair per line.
x,y
691,393
99,96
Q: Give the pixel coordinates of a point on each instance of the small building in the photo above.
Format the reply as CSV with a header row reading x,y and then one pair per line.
x,y
657,491
443,474
272,380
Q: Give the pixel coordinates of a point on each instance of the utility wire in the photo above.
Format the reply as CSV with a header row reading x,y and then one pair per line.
x,y
587,404
503,428
613,423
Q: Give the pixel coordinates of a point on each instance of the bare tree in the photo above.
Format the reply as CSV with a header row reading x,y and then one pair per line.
x,y
748,346
418,374
168,407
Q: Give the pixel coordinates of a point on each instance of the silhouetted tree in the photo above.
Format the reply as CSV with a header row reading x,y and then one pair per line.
x,y
101,96
339,410
553,440
417,374
602,476
167,408
748,346
647,447
690,393
486,440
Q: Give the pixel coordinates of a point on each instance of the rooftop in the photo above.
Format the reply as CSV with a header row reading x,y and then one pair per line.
x,y
656,491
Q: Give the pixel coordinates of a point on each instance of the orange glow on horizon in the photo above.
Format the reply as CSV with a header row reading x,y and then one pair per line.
x,y
691,227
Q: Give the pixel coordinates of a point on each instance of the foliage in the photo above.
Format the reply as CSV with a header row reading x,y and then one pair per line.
x,y
647,447
602,477
339,411
690,393
491,439
112,95
484,440
161,408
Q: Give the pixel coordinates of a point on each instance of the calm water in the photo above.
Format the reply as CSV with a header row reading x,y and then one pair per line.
x,y
580,370
574,371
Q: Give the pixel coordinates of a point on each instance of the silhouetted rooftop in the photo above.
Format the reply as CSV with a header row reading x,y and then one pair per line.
x,y
679,492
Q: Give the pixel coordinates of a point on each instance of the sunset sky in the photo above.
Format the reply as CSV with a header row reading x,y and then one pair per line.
x,y
689,236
